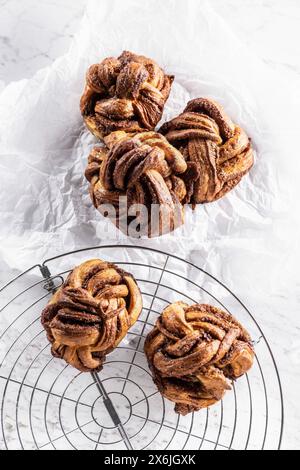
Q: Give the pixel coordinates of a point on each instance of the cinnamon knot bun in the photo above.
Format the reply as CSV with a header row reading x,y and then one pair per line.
x,y
149,172
91,313
221,150
194,352
125,93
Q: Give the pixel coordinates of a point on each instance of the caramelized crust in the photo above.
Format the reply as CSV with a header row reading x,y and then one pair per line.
x,y
193,353
91,313
147,170
220,150
127,93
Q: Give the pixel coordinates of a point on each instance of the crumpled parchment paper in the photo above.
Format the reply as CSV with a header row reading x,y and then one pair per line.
x,y
249,239
45,206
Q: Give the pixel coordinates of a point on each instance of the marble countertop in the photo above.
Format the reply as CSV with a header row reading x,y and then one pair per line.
x,y
33,33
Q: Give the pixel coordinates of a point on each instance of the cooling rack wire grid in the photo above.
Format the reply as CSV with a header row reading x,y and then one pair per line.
x,y
46,404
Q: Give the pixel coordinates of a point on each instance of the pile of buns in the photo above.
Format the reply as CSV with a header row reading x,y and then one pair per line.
x,y
195,158
194,352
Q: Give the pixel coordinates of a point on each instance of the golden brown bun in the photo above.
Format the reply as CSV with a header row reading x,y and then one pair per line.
x,y
148,171
193,351
91,313
221,150
126,93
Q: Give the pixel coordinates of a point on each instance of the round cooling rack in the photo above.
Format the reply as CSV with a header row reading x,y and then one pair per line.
x,y
46,404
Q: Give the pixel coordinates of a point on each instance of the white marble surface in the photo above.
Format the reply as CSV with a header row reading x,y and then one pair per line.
x,y
33,33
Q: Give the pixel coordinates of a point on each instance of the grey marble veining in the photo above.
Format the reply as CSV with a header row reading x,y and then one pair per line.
x,y
33,33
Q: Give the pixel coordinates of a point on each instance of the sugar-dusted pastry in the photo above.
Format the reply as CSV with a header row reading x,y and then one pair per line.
x,y
221,150
126,93
91,313
147,170
194,352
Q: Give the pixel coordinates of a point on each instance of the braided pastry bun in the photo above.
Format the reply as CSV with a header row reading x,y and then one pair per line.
x,y
194,352
127,93
91,313
147,170
221,150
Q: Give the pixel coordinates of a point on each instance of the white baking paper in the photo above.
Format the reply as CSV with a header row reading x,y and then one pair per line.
x,y
249,239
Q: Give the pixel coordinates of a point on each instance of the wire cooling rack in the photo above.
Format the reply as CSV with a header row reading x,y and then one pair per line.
x,y
46,404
